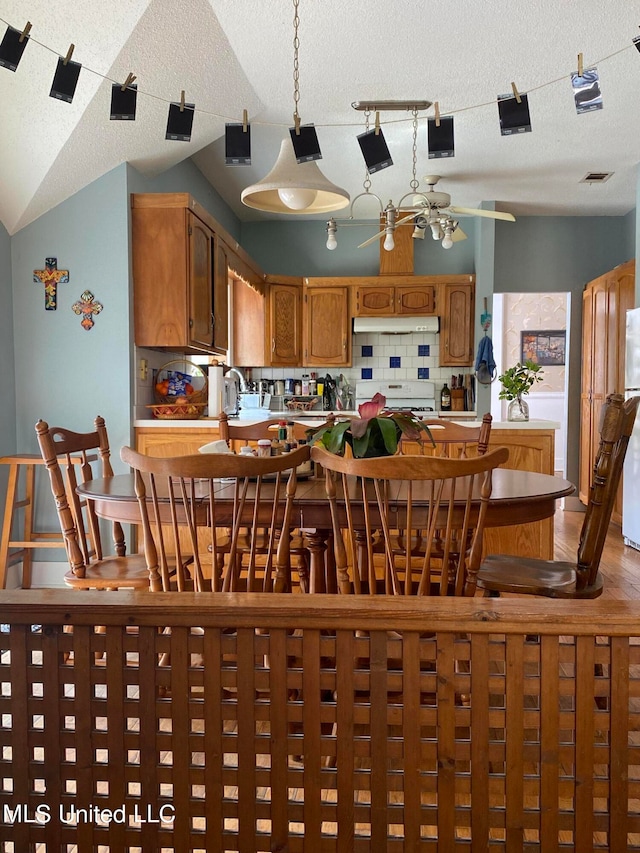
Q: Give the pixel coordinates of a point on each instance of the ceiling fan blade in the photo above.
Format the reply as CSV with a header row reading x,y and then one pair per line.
x,y
458,235
372,239
491,214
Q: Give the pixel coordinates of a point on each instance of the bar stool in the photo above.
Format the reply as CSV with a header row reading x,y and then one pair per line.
x,y
30,538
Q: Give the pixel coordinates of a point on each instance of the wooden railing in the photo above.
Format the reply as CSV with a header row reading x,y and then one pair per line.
x,y
222,722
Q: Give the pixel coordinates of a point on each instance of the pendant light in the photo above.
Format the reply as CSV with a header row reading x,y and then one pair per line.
x,y
292,187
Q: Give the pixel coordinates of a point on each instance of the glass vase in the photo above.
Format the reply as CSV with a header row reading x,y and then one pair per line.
x,y
518,409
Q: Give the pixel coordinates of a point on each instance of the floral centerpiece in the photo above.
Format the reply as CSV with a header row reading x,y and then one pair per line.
x,y
376,432
516,381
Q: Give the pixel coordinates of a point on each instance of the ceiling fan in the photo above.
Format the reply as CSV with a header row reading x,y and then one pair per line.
x,y
431,209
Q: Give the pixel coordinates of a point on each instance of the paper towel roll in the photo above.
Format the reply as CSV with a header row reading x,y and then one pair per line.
x,y
216,391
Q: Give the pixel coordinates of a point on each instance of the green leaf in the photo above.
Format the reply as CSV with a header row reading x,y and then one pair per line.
x,y
389,431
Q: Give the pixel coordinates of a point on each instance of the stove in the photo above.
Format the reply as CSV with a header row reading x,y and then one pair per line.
x,y
412,395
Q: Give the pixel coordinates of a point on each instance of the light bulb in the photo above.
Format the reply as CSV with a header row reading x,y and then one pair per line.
x,y
332,243
389,243
447,242
297,198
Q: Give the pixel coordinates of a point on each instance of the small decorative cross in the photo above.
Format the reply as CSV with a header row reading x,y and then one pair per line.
x,y
86,306
51,277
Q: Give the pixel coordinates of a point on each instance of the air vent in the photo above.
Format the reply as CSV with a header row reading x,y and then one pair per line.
x,y
596,177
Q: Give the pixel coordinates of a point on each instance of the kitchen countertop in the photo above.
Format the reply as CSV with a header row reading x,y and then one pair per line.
x,y
251,417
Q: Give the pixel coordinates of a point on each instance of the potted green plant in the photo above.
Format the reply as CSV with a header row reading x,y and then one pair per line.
x,y
517,381
376,432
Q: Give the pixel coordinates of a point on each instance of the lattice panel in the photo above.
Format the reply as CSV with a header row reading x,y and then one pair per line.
x,y
216,739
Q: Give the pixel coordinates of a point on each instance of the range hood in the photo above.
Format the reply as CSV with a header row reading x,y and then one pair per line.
x,y
396,325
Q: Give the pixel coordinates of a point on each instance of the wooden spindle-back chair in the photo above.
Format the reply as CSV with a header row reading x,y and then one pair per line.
x,y
392,496
582,578
186,492
68,458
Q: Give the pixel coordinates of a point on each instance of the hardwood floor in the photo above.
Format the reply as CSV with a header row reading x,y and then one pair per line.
x,y
620,565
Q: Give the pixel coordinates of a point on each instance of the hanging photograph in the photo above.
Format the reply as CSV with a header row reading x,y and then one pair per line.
x,y
586,90
514,116
65,80
543,347
375,151
440,138
180,122
123,102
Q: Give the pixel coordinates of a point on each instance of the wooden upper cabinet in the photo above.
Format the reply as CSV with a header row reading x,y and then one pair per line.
x,y
326,327
388,301
173,273
200,261
267,327
418,300
220,296
456,323
284,334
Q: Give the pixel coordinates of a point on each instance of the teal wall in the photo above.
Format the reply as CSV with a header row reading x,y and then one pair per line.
x,y
299,248
187,178
7,409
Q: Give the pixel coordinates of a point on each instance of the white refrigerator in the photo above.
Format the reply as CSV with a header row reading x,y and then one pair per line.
x,y
631,472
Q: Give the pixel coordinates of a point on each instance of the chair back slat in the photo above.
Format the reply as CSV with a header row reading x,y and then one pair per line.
x,y
178,496
616,425
450,439
413,524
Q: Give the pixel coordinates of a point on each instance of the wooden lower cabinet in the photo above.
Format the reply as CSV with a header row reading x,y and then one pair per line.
x,y
529,450
176,441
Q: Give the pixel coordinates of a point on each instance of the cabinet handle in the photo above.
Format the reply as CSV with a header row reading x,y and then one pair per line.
x,y
273,344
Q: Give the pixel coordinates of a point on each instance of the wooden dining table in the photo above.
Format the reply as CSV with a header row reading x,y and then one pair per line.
x,y
517,498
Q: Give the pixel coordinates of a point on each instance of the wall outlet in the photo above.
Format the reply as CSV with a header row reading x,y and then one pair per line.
x,y
143,369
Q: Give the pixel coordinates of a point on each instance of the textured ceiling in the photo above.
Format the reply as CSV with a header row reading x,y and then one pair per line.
x,y
230,55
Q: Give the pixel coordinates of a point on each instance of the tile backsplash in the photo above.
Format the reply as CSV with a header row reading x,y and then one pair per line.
x,y
379,356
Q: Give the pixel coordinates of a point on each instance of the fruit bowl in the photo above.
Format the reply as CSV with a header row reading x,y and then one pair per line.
x,y
178,411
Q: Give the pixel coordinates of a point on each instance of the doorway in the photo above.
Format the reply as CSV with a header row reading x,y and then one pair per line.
x,y
517,318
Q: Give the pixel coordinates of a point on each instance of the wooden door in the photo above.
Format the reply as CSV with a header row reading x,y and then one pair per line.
x,y
326,325
586,428
418,300
284,325
456,333
200,283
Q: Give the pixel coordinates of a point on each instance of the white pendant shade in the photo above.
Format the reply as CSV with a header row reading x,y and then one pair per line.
x,y
292,187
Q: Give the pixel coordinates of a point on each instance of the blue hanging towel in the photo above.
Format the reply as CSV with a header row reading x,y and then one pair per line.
x,y
485,364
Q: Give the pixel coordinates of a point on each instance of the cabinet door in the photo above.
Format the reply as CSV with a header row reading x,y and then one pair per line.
x,y
327,327
284,325
374,301
160,270
200,283
586,425
220,297
416,300
456,333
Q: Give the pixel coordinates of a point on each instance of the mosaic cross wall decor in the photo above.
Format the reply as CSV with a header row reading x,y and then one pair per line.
x,y
51,277
87,307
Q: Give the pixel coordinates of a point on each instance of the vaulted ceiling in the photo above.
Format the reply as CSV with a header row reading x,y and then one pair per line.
x,y
231,55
